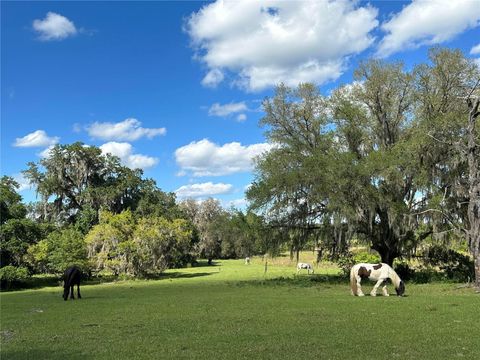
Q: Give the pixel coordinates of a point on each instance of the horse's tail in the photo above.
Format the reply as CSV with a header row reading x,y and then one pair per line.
x,y
353,281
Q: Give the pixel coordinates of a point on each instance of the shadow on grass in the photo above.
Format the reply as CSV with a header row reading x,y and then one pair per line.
x,y
38,282
177,275
298,281
204,263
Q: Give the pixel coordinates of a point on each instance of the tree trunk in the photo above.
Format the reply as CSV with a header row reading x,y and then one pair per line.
x,y
386,255
473,154
477,271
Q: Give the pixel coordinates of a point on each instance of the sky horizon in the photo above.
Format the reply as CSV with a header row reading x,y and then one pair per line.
x,y
175,88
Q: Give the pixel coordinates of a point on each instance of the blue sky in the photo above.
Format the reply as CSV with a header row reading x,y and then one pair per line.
x,y
176,87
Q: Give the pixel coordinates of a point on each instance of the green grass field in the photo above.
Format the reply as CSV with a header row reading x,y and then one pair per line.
x,y
233,311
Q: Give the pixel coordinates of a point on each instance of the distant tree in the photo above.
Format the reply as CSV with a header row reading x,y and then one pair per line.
x,y
161,244
155,202
242,234
11,206
205,216
74,177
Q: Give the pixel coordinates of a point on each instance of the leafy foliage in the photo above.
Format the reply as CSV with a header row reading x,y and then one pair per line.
x,y
59,250
12,275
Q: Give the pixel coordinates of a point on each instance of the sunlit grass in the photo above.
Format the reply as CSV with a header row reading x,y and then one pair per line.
x,y
233,310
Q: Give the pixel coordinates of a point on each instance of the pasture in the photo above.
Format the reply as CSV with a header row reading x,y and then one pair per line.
x,y
234,311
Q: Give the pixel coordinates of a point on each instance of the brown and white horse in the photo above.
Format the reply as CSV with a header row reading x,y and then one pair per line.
x,y
376,272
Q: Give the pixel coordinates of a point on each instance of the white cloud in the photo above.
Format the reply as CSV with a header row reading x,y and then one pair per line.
x,y
204,158
227,109
130,130
203,190
23,182
241,117
213,78
475,50
428,22
124,152
263,43
37,138
54,27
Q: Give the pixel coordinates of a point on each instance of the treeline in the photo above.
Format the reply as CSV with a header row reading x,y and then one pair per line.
x,y
108,219
391,161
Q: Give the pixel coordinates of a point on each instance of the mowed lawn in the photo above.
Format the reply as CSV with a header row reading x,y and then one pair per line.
x,y
233,311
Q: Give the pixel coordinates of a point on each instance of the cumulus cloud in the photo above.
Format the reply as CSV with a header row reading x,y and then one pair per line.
x,y
129,130
427,23
213,78
54,27
475,50
262,43
227,109
37,138
204,158
203,190
125,152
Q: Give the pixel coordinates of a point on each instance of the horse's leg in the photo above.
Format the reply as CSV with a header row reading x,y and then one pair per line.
x,y
375,288
78,291
384,290
71,292
359,287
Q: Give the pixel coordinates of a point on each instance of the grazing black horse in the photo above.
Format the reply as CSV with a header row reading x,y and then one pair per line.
x,y
71,277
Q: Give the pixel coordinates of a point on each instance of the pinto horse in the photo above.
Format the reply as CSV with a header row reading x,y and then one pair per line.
x,y
306,266
71,277
376,272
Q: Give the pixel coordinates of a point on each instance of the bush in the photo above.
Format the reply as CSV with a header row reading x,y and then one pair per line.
x,y
368,258
346,261
12,276
404,271
59,250
454,265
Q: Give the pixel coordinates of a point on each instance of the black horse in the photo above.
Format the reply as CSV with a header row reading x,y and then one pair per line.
x,y
71,277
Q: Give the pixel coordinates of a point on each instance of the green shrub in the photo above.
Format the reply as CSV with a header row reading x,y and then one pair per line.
x,y
404,270
12,276
59,250
346,261
454,265
365,257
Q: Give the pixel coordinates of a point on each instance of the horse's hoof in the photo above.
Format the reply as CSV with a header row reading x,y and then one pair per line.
x,y
386,294
373,294
361,294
